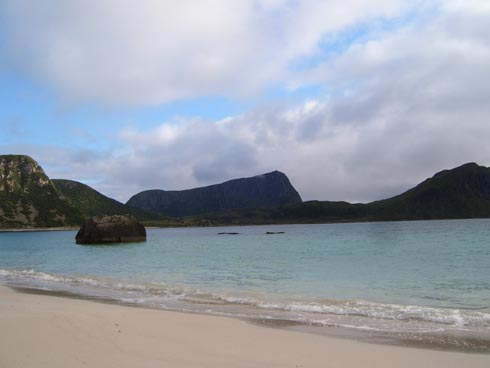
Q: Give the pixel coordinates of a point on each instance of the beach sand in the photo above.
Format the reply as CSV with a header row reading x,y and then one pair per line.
x,y
51,331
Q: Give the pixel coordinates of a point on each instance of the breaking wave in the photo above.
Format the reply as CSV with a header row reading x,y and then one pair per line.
x,y
355,314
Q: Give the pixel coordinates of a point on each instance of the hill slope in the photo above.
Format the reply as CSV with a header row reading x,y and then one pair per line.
x,y
28,197
462,192
92,203
267,190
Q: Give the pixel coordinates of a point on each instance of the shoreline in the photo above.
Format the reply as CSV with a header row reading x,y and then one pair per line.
x,y
54,331
429,341
37,229
227,225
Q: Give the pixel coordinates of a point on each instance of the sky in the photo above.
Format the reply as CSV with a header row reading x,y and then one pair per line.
x,y
354,100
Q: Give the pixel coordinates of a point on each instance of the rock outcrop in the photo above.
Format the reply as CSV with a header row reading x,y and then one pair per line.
x,y
28,197
267,190
111,229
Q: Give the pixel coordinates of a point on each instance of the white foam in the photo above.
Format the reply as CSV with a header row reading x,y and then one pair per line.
x,y
302,310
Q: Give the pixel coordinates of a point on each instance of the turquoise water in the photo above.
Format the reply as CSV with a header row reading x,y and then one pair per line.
x,y
397,277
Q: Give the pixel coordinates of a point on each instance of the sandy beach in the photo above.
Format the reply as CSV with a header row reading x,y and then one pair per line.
x,y
50,331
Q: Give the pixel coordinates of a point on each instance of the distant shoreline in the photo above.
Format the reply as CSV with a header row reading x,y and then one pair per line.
x,y
37,229
183,226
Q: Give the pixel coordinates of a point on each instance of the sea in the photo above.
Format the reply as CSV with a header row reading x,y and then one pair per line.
x,y
423,283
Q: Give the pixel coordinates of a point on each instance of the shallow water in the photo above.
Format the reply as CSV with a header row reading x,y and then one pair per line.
x,y
416,279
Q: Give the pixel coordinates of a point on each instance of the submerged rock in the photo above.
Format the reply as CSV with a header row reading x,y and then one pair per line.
x,y
111,229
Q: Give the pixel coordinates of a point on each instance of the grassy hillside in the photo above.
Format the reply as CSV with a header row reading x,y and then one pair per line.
x,y
463,192
92,203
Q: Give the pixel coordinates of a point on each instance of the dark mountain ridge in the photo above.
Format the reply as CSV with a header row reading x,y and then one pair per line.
x,y
267,190
29,199
462,192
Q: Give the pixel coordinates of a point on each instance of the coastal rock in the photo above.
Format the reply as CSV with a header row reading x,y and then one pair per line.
x,y
111,229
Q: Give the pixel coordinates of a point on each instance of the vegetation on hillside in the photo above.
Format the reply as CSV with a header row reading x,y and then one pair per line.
x,y
92,203
29,199
463,192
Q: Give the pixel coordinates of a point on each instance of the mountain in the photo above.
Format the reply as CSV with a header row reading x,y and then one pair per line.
x,y
28,198
267,190
462,192
92,203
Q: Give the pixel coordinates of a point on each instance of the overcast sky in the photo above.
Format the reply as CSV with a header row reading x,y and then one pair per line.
x,y
353,99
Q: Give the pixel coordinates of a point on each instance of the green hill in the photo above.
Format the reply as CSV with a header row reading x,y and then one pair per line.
x,y
463,192
92,203
28,197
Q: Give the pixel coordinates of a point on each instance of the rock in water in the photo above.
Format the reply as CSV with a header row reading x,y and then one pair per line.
x,y
111,229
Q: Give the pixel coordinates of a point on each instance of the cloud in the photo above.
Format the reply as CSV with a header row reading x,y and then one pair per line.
x,y
400,105
150,52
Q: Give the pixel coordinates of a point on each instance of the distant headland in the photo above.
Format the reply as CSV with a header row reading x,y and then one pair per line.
x,y
29,199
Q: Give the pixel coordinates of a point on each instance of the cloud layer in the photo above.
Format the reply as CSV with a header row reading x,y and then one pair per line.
x,y
401,103
153,51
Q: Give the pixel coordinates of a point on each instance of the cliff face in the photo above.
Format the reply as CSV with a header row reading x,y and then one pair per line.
x,y
267,190
28,197
19,173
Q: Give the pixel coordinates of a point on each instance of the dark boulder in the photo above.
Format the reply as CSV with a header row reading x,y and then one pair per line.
x,y
111,229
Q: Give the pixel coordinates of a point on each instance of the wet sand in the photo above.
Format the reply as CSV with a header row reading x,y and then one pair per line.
x,y
52,331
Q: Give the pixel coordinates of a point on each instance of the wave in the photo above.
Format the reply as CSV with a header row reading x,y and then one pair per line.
x,y
358,314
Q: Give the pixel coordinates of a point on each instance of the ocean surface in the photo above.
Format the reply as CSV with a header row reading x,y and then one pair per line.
x,y
422,281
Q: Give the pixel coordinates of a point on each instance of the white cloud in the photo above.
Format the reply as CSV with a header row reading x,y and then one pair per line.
x,y
154,51
401,106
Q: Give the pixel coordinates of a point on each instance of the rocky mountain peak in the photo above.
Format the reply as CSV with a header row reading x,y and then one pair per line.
x,y
19,172
28,198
